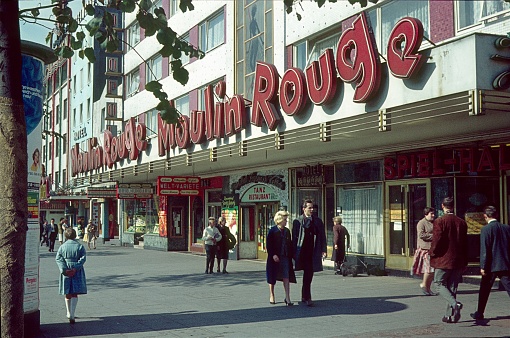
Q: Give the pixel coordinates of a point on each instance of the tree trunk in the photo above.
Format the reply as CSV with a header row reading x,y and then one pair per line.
x,y
13,174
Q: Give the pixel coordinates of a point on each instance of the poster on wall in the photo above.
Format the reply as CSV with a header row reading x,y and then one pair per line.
x,y
230,210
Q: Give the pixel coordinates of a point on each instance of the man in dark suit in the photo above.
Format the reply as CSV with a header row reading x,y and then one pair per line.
x,y
309,242
494,258
448,255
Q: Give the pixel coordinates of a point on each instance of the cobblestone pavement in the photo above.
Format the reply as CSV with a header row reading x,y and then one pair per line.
x,y
145,293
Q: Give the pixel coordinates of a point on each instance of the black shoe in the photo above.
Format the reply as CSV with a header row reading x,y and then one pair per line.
x,y
477,315
224,271
447,319
288,303
218,271
71,321
206,272
456,312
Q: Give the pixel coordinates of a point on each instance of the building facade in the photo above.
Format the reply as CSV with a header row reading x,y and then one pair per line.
x,y
373,113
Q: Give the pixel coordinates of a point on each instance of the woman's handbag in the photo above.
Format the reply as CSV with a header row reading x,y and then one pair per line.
x,y
231,243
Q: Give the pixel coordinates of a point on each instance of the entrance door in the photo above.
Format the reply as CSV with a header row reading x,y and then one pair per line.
x,y
405,201
264,215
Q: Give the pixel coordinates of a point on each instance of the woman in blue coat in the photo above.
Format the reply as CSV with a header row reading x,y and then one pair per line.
x,y
70,259
279,257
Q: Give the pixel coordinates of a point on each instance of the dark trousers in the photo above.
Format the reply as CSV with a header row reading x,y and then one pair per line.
x,y
210,251
486,286
306,290
53,236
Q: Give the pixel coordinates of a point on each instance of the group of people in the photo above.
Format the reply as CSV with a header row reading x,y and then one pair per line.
x,y
441,256
218,241
50,231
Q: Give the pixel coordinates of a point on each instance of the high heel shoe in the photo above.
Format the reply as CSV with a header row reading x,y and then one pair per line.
x,y
288,303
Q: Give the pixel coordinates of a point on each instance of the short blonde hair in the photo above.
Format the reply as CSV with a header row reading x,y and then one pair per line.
x,y
337,219
278,217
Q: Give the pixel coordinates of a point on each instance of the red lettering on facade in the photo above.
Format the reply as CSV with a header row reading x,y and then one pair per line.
x,y
486,162
235,115
358,61
182,133
292,91
209,113
321,78
197,126
166,136
403,45
264,96
219,120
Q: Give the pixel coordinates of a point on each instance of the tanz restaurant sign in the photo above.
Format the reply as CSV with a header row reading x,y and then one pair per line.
x,y
356,61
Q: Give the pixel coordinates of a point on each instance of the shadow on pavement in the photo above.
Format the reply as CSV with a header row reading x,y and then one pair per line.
x,y
187,320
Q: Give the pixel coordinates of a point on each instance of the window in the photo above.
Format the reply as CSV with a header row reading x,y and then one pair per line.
x,y
64,72
74,117
81,79
318,47
472,12
57,109
64,144
50,150
174,7
103,119
151,121
212,32
254,34
182,105
384,18
184,57
64,109
154,69
133,82
81,113
74,84
89,72
44,154
64,177
57,180
57,146
133,36
201,94
300,55
88,109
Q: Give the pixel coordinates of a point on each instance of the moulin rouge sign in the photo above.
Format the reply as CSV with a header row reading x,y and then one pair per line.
x,y
356,61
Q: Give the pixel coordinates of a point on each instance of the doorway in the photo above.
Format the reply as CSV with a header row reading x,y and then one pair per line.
x,y
405,201
264,214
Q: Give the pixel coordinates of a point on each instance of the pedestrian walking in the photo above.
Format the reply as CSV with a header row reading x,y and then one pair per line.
x,y
53,235
309,245
279,257
71,257
47,230
340,236
448,255
494,258
421,262
210,237
91,235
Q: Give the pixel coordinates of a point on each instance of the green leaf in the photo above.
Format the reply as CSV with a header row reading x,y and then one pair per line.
x,y
320,3
90,10
181,75
166,51
49,37
153,86
145,5
66,52
80,36
56,11
93,25
76,44
127,6
89,53
166,36
185,5
81,54
73,26
62,19
162,96
112,45
35,12
168,113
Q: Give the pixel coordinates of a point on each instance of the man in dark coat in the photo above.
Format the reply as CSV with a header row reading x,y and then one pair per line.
x,y
309,242
448,255
494,258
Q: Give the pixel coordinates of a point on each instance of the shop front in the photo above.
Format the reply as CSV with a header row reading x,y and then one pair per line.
x,y
261,195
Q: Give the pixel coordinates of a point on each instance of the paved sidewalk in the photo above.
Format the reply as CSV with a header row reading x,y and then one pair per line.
x,y
145,293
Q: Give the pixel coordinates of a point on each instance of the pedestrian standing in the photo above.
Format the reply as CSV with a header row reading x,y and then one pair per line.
x,y
222,248
47,230
210,237
448,255
53,235
61,231
309,245
71,257
494,258
91,235
421,263
279,257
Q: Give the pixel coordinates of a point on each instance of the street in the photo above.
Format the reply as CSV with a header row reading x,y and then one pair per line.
x,y
145,293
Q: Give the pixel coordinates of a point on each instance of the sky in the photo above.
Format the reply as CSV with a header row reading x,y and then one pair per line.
x,y
37,32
